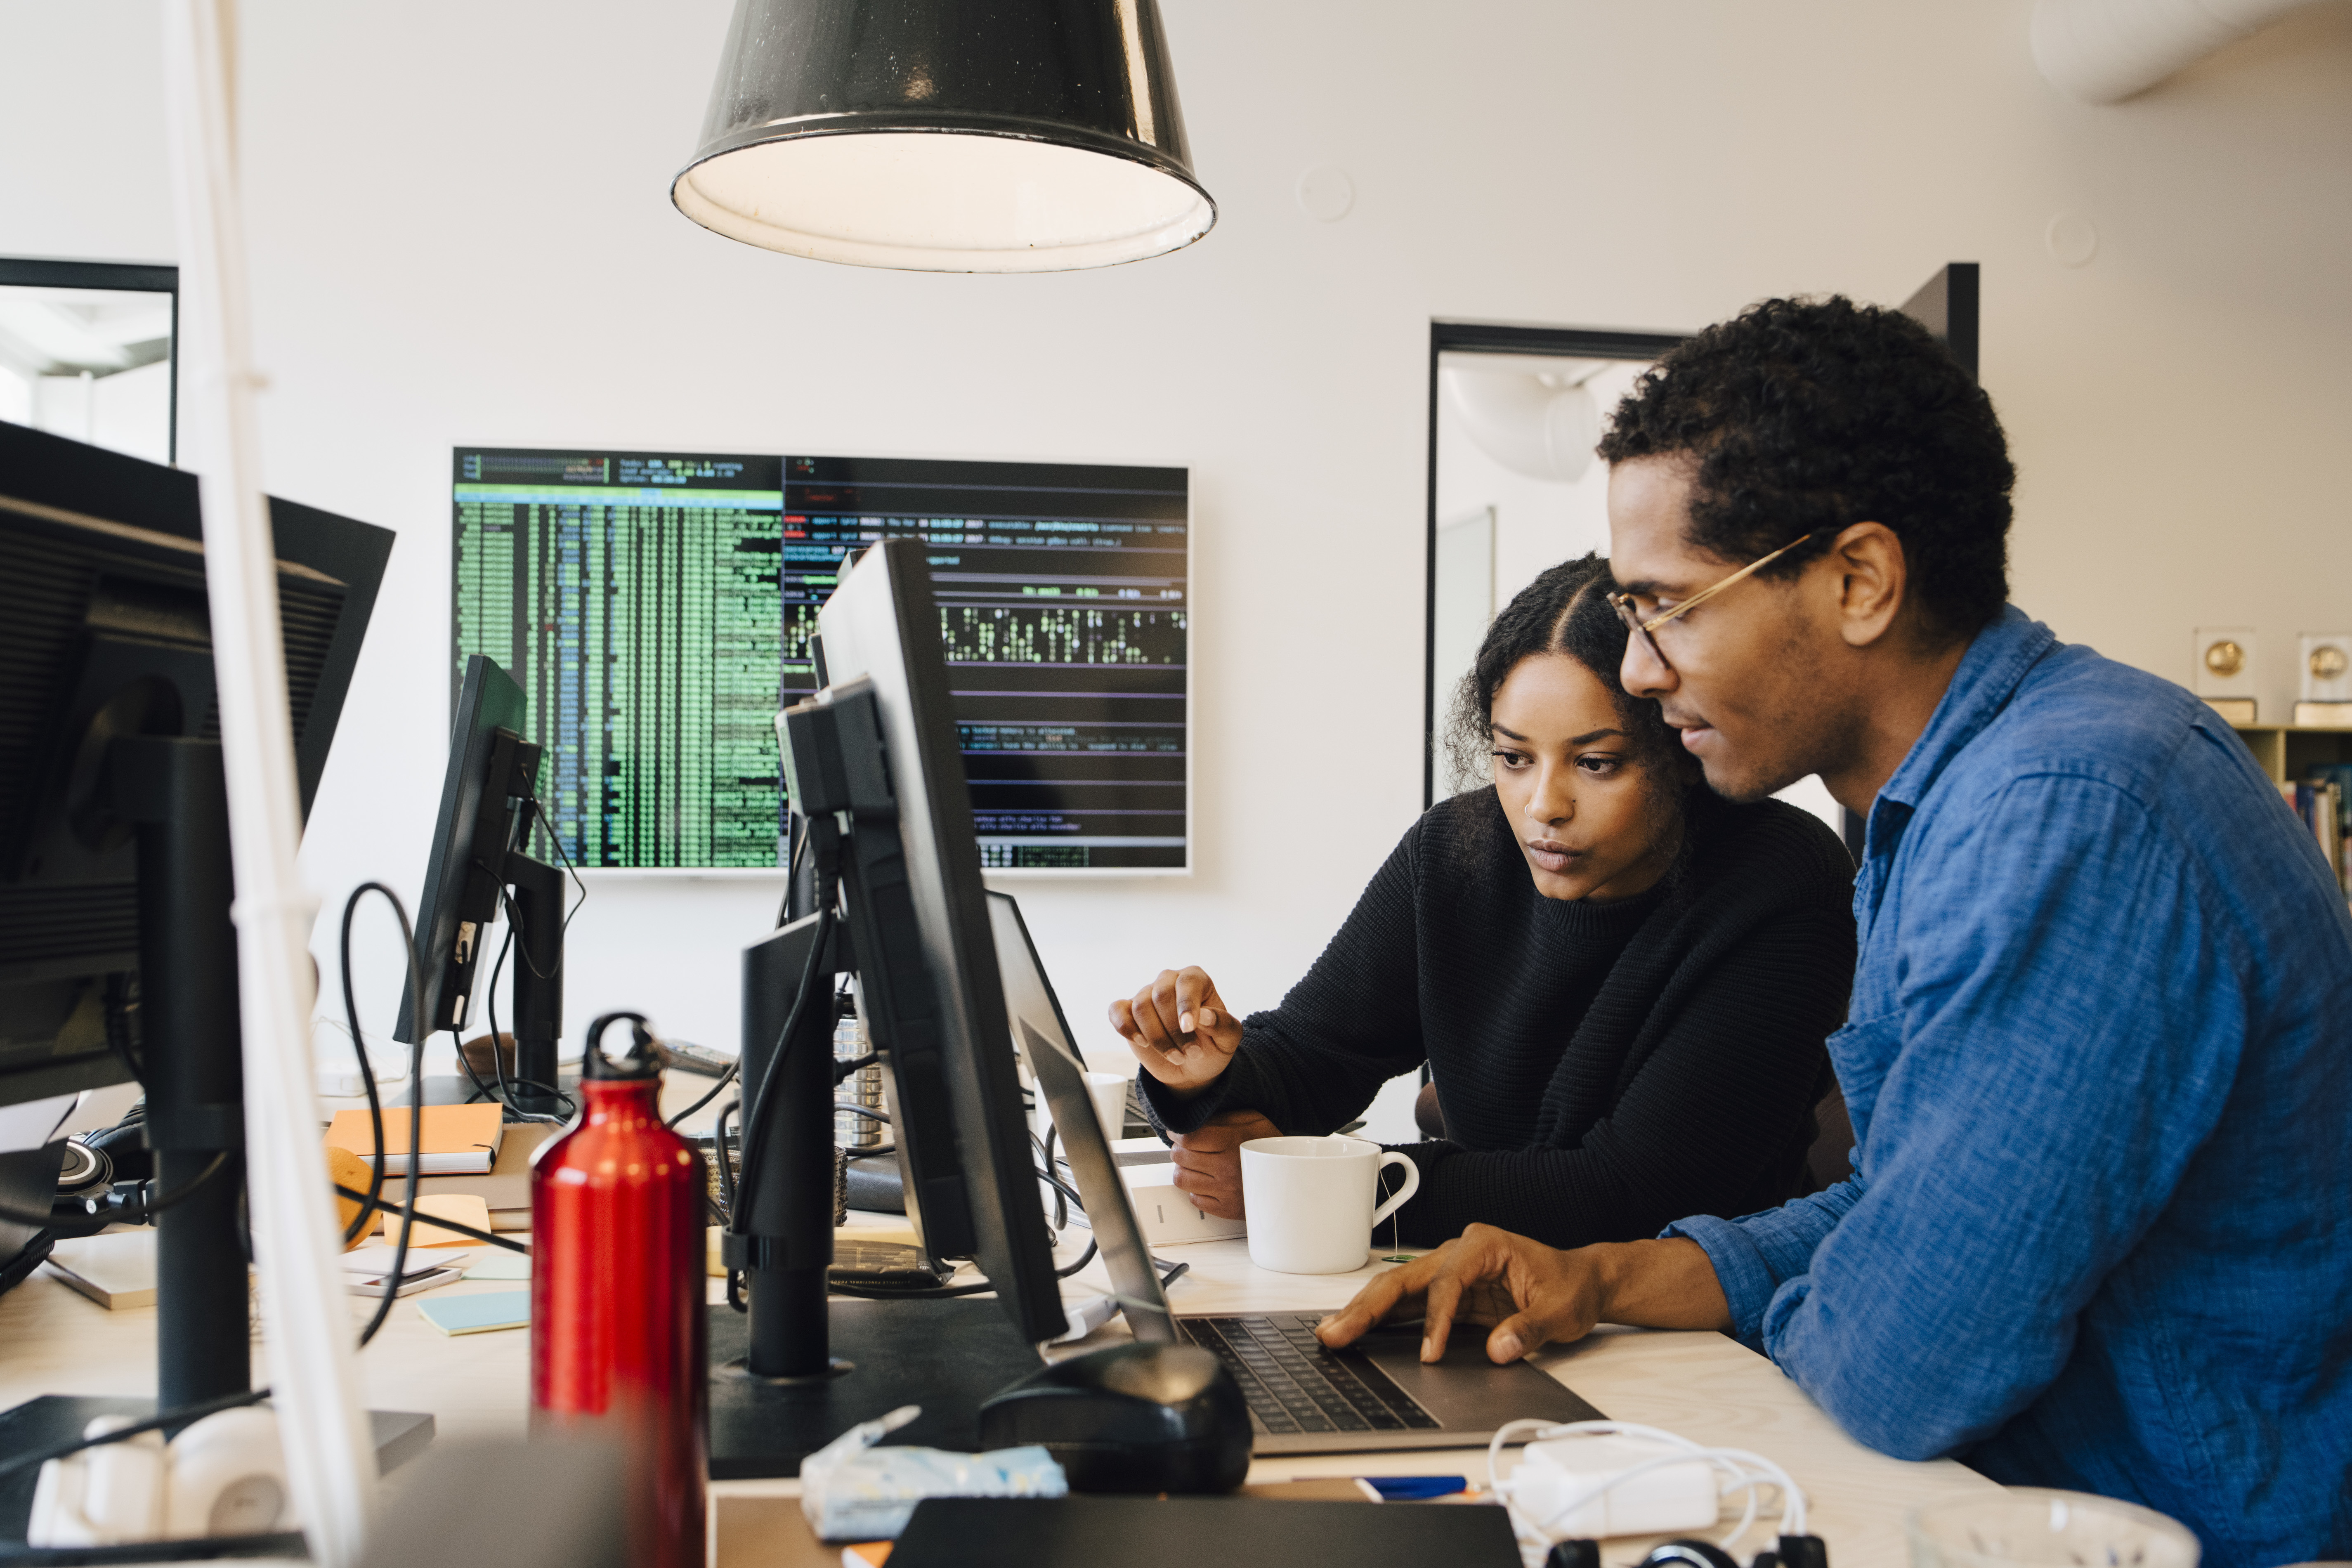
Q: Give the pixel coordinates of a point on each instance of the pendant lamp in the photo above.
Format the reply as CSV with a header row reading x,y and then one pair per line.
x,y
947,136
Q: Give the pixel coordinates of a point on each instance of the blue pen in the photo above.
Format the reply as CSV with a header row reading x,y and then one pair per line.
x,y
1409,1489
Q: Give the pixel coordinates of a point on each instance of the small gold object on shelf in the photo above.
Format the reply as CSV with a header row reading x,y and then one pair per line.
x,y
2225,659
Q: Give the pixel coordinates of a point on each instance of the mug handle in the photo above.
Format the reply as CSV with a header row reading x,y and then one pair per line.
x,y
1396,1199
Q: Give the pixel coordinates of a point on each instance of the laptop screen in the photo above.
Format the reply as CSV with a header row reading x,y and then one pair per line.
x,y
1043,1036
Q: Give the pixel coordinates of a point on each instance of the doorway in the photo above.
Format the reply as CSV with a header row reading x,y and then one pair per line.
x,y
1514,486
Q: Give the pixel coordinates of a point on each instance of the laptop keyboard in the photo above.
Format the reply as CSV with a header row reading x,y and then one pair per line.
x,y
1293,1384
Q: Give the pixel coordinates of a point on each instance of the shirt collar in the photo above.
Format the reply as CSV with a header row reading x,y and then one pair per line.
x,y
1981,686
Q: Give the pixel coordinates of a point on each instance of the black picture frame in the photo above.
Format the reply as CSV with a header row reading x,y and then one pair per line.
x,y
1495,338
128,277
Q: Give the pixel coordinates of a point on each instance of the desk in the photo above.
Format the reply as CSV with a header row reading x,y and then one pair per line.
x,y
1702,1385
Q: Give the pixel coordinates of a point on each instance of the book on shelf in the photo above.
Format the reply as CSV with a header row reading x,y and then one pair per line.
x,y
457,1140
2322,803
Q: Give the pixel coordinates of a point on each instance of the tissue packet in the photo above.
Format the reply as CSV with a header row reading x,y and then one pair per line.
x,y
851,1491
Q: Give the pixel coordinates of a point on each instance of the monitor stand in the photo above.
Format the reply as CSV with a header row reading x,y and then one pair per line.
x,y
172,790
947,1356
825,1363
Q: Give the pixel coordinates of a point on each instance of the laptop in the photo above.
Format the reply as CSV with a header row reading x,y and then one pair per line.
x,y
1303,1397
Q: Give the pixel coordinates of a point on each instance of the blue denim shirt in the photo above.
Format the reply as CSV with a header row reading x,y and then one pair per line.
x,y
2100,1235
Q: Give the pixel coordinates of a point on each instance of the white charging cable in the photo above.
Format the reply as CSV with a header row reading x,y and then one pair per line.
x,y
1741,1470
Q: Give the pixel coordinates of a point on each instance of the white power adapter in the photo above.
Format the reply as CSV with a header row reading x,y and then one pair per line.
x,y
1590,1480
1592,1487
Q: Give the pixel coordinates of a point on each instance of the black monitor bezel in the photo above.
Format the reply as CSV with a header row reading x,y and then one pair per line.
x,y
114,487
470,825
882,625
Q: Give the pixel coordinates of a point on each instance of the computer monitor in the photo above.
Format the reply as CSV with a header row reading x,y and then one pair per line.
x,y
878,627
117,955
104,627
1049,1047
875,753
653,606
488,799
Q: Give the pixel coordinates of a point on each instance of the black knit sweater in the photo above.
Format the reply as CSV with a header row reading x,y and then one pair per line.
x,y
1604,1069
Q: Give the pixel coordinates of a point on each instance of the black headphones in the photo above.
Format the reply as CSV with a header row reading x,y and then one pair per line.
x,y
1794,1552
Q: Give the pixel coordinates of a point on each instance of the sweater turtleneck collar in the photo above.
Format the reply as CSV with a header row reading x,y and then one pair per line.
x,y
1617,919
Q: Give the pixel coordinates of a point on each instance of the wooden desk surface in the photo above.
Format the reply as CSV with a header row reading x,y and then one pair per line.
x,y
1702,1385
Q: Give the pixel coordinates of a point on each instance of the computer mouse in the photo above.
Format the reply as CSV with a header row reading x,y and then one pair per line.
x,y
1131,1418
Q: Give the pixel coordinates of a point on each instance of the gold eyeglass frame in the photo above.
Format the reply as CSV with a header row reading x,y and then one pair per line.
x,y
1623,603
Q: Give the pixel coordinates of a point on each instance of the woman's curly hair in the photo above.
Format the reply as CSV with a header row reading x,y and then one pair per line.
x,y
1807,415
1565,610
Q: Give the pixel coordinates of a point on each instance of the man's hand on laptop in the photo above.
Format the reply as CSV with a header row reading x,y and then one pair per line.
x,y
1209,1161
1179,1029
1533,1294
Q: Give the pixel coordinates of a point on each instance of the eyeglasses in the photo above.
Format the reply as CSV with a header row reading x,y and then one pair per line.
x,y
1623,603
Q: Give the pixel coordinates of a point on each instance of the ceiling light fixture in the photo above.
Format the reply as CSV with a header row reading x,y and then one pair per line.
x,y
945,136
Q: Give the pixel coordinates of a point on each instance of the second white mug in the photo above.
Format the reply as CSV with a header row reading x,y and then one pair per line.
x,y
1310,1201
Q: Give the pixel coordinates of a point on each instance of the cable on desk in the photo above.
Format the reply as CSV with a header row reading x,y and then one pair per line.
x,y
755,1124
419,1033
468,1232
733,1069
134,1210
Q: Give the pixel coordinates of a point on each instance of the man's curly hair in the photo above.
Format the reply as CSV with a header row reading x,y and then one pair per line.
x,y
1805,414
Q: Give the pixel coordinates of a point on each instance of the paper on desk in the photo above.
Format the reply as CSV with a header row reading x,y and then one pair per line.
x,y
478,1314
499,1264
375,1259
34,1123
465,1208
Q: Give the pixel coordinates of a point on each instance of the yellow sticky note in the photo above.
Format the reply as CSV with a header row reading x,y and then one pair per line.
x,y
465,1208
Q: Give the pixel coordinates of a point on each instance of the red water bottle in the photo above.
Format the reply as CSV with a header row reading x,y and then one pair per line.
x,y
618,1338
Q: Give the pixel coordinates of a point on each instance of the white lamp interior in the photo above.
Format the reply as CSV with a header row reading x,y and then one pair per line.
x,y
935,202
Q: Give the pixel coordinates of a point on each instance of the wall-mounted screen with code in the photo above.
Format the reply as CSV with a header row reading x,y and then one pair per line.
x,y
656,608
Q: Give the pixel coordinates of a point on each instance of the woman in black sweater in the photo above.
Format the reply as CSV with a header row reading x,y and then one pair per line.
x,y
1621,982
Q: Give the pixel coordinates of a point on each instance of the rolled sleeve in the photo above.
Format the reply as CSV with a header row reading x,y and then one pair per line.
x,y
1755,1255
1739,1268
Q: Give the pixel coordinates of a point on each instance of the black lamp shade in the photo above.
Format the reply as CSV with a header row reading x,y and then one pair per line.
x,y
947,136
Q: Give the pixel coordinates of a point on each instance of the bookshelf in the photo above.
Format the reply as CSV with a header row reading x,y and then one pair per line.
x,y
2287,752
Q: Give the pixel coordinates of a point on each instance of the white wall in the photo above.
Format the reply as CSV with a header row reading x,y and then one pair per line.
x,y
460,231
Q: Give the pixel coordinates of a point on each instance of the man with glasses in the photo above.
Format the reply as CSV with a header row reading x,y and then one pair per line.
x,y
2099,1234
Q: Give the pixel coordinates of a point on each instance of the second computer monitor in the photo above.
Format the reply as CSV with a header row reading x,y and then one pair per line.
x,y
879,627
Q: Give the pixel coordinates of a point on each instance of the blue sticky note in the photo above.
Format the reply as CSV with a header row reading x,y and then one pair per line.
x,y
478,1314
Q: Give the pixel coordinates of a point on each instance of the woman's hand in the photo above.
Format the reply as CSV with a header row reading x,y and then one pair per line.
x,y
1536,1295
1179,1029
1209,1161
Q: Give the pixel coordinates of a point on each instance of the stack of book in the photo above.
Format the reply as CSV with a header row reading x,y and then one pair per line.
x,y
2323,801
468,1149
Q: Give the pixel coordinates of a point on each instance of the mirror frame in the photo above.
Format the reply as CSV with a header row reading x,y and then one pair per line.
x,y
127,276
1487,337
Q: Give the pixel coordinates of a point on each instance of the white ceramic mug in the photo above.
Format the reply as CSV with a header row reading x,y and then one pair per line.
x,y
1309,1201
1108,1092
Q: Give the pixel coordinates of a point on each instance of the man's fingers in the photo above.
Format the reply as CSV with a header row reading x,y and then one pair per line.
x,y
1377,1298
1516,1335
1437,1315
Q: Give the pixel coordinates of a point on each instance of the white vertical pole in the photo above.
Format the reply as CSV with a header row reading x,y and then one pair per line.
x,y
306,1310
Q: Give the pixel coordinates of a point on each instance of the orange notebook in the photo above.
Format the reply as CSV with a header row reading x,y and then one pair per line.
x,y
458,1139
